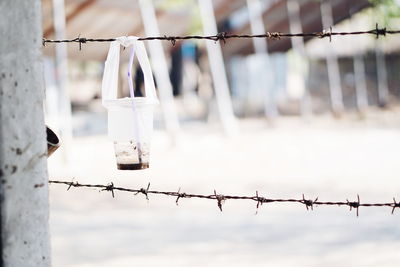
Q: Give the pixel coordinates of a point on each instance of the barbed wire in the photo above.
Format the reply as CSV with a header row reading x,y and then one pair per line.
x,y
223,36
308,203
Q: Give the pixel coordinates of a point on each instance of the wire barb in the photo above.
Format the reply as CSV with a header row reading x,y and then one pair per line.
x,y
260,201
221,37
326,33
144,191
81,41
220,199
309,203
180,195
71,184
379,31
275,35
172,39
110,187
395,205
355,204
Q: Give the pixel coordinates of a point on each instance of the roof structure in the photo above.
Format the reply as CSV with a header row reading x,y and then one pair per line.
x,y
276,19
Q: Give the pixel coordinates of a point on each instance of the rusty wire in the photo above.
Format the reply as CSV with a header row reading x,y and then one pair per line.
x,y
223,36
308,203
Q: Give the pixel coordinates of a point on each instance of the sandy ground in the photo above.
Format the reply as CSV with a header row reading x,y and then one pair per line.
x,y
333,160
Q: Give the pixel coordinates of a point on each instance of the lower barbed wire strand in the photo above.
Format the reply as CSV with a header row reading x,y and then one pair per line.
x,y
221,198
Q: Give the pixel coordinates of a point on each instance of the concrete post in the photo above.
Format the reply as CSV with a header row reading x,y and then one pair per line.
x,y
261,48
360,81
298,46
61,65
257,25
360,78
160,67
335,86
383,87
217,66
23,170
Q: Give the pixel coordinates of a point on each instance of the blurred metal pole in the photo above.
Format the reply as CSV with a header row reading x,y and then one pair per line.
x,y
332,62
261,48
383,88
298,46
52,107
257,26
24,200
217,68
160,68
360,78
360,82
61,64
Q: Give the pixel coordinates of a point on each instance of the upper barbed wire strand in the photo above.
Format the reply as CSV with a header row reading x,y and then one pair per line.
x,y
223,36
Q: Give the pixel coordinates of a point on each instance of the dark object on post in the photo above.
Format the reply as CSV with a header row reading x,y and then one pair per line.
x,y
53,143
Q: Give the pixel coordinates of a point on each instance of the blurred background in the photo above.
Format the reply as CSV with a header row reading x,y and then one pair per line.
x,y
284,117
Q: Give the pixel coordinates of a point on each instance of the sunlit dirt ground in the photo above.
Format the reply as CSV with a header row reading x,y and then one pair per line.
x,y
326,158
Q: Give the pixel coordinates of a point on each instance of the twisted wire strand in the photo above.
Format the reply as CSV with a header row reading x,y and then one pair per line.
x,y
223,36
309,203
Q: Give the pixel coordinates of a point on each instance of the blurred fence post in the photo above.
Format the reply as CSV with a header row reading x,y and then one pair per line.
x,y
383,88
52,107
298,46
261,48
160,68
360,79
332,62
217,68
360,83
23,151
61,65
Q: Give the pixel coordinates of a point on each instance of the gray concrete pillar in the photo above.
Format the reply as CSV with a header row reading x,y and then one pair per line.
x,y
23,169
